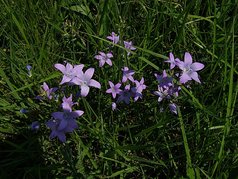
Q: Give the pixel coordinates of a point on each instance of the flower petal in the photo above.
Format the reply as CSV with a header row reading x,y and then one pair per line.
x,y
188,58
77,113
194,76
60,67
94,83
89,73
184,78
197,66
63,124
58,115
84,90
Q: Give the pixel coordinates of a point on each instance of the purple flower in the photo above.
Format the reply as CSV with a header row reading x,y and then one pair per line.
x,y
115,89
114,106
104,58
173,108
114,38
23,111
68,103
129,46
164,80
29,67
125,95
189,69
70,72
137,91
171,60
53,124
127,74
48,91
85,80
163,93
35,126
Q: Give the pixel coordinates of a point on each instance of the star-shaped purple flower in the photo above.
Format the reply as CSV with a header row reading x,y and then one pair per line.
x,y
127,74
164,80
114,89
163,93
129,46
125,95
189,69
114,38
104,58
85,80
69,71
48,91
172,61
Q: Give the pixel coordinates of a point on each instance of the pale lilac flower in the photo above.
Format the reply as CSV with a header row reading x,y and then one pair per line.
x,y
163,93
164,80
84,80
29,67
115,89
68,103
114,38
114,106
125,95
173,108
48,91
140,86
189,69
171,60
35,126
104,58
129,46
69,71
127,74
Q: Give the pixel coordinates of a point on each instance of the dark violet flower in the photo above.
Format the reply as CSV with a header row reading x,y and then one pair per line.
x,y
127,74
69,71
35,126
114,38
189,69
104,58
29,67
173,108
85,80
164,80
23,111
48,91
129,46
53,124
125,95
114,89
171,60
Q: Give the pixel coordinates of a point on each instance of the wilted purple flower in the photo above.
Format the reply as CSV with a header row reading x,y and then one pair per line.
x,y
114,106
35,126
114,38
125,95
189,69
104,58
85,80
29,67
171,60
70,72
127,74
163,93
129,46
164,80
48,91
115,89
173,108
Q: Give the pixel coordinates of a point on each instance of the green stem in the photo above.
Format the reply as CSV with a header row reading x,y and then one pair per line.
x,y
190,171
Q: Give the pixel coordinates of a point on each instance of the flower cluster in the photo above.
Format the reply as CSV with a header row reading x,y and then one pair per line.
x,y
169,90
128,91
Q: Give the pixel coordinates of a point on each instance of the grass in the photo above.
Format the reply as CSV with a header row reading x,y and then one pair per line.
x,y
137,140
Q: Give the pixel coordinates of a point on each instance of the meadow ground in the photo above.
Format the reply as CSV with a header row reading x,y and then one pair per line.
x,y
181,123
